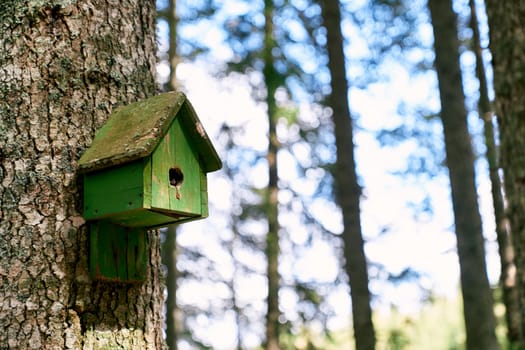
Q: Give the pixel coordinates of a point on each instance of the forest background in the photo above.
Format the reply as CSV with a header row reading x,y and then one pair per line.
x,y
406,210
359,182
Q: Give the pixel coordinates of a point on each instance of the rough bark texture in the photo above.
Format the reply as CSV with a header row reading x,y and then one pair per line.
x,y
505,247
477,297
348,191
64,64
272,238
507,43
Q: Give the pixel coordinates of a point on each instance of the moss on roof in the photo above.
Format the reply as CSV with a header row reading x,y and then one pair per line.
x,y
133,131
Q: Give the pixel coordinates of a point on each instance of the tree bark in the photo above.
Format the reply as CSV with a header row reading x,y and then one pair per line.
x,y
348,191
505,247
507,44
477,297
64,64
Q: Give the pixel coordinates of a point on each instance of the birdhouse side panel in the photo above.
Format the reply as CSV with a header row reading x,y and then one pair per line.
x,y
176,181
115,190
204,195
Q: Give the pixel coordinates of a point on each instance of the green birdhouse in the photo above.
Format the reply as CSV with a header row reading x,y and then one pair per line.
x,y
146,168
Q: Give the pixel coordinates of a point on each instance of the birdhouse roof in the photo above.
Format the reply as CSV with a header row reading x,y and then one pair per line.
x,y
133,132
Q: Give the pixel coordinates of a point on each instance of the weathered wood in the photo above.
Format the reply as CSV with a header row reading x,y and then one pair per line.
x,y
117,253
145,168
176,151
115,190
134,131
127,167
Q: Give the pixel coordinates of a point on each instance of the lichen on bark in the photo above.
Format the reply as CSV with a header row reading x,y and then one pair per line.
x,y
64,64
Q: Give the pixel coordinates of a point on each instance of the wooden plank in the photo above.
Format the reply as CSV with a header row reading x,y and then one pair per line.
x,y
175,150
186,159
146,218
136,254
102,261
113,190
147,174
204,195
117,253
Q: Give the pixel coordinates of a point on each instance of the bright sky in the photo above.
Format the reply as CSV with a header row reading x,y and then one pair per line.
x,y
426,244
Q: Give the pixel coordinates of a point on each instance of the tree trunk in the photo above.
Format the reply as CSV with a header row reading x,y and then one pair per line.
x,y
272,238
348,191
507,44
170,245
170,260
505,247
63,66
477,297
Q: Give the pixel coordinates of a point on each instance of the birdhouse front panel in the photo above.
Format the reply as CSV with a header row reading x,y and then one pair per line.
x,y
176,174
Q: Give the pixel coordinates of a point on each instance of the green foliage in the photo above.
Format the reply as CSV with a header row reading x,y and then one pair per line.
x,y
438,325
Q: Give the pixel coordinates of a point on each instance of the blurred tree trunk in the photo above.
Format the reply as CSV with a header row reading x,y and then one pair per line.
x,y
507,44
172,50
170,244
63,66
169,252
348,191
272,238
477,297
236,240
506,250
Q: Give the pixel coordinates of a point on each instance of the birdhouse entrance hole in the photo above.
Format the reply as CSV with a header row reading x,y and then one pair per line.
x,y
176,178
